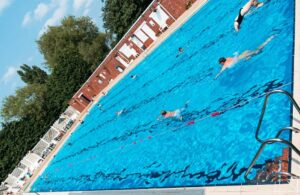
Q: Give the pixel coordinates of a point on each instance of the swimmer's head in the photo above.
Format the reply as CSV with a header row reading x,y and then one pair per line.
x,y
180,49
254,2
163,112
222,60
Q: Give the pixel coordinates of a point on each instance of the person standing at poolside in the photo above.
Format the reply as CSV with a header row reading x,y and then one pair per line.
x,y
239,19
229,61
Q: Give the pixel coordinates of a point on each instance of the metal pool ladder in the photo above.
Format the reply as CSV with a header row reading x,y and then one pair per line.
x,y
276,139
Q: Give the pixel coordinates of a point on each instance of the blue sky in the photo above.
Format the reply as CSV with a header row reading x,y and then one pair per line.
x,y
23,23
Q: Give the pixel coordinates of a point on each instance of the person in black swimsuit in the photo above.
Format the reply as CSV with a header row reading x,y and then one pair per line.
x,y
239,19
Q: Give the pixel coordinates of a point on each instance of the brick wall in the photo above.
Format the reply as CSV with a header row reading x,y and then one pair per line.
x,y
173,8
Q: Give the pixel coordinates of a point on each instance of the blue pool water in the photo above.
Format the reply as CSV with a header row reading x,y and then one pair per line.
x,y
135,150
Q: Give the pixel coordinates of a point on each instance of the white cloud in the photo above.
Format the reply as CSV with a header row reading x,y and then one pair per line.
x,y
4,4
40,11
29,59
27,19
78,4
86,12
59,13
10,73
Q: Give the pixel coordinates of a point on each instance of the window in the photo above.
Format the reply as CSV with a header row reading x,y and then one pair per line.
x,y
119,69
100,81
102,76
151,23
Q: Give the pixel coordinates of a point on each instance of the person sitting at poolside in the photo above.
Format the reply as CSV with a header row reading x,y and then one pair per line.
x,y
239,19
229,61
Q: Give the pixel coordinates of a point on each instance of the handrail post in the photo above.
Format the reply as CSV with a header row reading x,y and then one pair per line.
x,y
265,106
272,141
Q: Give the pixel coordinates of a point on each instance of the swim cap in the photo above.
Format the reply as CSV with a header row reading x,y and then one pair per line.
x,y
163,112
222,60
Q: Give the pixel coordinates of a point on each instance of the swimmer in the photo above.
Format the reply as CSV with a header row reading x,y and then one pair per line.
x,y
119,113
180,51
100,106
229,61
170,114
174,114
239,19
133,76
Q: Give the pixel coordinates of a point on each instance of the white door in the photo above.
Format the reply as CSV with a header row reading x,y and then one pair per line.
x,y
160,17
161,14
126,50
122,61
137,42
141,35
149,32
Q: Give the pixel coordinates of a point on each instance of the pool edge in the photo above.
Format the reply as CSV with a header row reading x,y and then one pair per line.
x,y
295,165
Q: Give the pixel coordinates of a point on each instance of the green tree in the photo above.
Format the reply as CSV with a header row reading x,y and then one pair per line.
x,y
70,35
69,50
90,52
119,15
64,81
16,139
31,75
27,101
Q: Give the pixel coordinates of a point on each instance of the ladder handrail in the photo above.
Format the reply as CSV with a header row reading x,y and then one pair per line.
x,y
264,109
293,129
267,142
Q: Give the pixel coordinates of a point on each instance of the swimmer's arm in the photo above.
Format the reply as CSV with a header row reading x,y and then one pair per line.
x,y
159,118
223,68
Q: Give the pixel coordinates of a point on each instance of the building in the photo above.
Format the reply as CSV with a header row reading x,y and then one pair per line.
x,y
159,15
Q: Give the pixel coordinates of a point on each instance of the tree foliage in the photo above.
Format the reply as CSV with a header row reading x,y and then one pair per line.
x,y
119,15
65,80
25,102
69,50
16,139
90,51
72,51
71,35
31,75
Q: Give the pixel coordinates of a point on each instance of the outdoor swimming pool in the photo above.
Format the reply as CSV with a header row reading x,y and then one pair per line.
x,y
135,150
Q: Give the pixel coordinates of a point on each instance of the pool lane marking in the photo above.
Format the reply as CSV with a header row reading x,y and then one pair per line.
x,y
211,115
150,137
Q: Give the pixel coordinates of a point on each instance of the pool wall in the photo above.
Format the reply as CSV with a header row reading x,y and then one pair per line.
x,y
295,166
